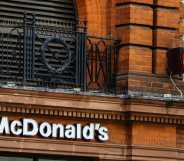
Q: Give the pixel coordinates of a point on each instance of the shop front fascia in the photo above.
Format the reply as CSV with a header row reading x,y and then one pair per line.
x,y
137,129
67,110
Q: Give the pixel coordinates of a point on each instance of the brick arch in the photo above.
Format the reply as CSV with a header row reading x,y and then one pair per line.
x,y
98,15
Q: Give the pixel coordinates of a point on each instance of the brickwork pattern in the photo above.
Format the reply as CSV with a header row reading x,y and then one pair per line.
x,y
146,28
148,32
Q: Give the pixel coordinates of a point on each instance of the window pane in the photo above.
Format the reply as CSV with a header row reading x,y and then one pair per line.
x,y
9,158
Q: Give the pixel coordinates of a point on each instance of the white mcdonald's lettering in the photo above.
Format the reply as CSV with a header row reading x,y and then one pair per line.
x,y
30,128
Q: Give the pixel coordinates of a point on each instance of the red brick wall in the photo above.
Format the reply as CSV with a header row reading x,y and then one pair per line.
x,y
97,14
142,61
154,135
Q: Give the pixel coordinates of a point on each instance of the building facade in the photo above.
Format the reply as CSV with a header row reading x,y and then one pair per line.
x,y
88,80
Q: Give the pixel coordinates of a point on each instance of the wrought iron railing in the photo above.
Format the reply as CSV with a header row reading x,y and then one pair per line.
x,y
48,54
101,61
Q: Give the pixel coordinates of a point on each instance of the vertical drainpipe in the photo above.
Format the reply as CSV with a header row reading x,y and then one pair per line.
x,y
154,35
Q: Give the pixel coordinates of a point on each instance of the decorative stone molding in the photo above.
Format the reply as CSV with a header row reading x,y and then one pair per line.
x,y
156,119
61,112
73,113
90,107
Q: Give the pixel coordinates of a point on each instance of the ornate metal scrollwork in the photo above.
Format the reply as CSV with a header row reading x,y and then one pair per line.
x,y
45,48
38,53
97,67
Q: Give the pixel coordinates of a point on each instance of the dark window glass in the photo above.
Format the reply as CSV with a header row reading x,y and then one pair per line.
x,y
36,158
9,158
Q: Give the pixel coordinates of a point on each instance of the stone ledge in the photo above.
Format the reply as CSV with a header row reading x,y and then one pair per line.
x,y
148,108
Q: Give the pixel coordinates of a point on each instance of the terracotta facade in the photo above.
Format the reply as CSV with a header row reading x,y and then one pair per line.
x,y
142,127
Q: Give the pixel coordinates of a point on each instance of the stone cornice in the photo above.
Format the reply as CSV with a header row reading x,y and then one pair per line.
x,y
156,119
61,112
55,99
89,107
58,100
100,115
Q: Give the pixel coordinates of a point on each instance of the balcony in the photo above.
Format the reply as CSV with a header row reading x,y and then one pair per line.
x,y
49,55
